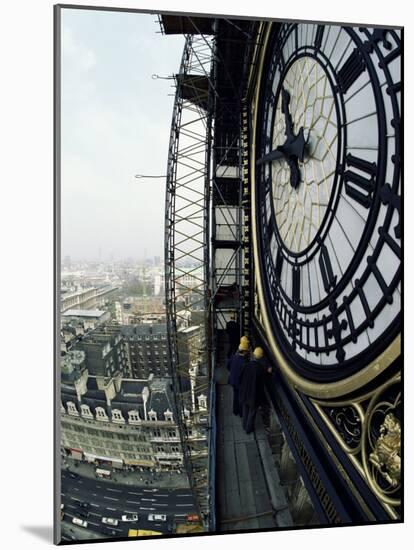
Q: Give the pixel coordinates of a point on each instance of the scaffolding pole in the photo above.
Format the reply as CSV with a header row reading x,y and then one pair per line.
x,y
187,260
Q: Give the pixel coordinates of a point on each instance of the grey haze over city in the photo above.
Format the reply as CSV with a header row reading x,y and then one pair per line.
x,y
115,124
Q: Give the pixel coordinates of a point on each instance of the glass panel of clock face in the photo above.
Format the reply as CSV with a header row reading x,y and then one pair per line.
x,y
328,192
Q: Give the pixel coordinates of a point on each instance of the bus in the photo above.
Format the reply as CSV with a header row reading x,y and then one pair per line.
x,y
142,533
100,472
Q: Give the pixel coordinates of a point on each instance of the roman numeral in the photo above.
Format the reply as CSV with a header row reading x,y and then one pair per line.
x,y
388,197
279,264
351,70
316,336
396,52
318,37
364,303
357,187
380,279
380,35
350,321
296,284
328,278
269,227
390,241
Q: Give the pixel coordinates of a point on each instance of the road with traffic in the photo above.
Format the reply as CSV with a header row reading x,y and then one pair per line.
x,y
113,500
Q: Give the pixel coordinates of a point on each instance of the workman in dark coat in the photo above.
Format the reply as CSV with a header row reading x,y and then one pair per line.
x,y
237,363
233,333
252,388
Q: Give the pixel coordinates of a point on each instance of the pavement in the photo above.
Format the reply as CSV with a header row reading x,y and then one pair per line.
x,y
172,480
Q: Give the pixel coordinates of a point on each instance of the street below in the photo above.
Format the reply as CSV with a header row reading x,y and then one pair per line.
x,y
113,500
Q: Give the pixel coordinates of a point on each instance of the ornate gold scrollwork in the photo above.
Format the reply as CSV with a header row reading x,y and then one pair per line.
x,y
381,443
348,422
368,429
386,456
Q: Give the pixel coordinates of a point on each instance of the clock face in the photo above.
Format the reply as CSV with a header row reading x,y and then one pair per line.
x,y
328,195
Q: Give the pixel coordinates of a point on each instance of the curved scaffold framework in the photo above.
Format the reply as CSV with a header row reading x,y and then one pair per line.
x,y
187,260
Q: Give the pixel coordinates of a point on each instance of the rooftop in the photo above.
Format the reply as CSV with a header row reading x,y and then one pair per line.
x,y
144,330
83,313
187,330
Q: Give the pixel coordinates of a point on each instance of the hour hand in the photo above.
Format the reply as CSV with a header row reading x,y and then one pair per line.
x,y
294,147
285,111
276,154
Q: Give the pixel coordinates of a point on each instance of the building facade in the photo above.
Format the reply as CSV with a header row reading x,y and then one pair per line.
x,y
121,421
86,298
148,349
107,354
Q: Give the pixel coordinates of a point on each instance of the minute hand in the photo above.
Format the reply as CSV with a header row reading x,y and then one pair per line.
x,y
294,146
276,154
285,111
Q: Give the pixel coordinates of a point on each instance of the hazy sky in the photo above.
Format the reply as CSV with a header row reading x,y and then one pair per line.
x,y
115,124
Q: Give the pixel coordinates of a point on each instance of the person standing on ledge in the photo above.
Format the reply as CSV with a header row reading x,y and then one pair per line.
x,y
233,333
237,364
252,388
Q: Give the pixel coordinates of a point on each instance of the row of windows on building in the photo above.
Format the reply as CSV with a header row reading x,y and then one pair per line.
x,y
103,451
95,446
116,414
84,442
103,433
147,337
149,353
157,432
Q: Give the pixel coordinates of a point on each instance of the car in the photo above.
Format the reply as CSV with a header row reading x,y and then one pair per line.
x,y
82,512
82,504
110,521
130,517
107,531
80,522
157,517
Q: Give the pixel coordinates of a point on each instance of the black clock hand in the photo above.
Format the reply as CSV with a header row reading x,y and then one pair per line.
x,y
293,147
294,171
276,154
296,147
288,116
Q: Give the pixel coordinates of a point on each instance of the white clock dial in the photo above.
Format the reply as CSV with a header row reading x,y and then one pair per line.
x,y
299,212
328,194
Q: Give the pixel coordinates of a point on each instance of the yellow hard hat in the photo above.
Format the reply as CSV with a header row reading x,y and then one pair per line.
x,y
244,345
258,353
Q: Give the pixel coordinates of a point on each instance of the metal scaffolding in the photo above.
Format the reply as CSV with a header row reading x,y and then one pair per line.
x,y
187,259
204,239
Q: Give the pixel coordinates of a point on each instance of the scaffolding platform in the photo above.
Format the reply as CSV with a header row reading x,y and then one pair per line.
x,y
249,494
